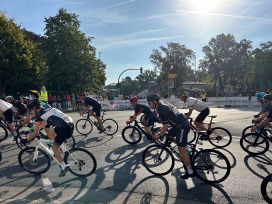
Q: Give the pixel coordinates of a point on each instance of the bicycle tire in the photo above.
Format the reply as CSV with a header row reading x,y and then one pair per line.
x,y
76,168
0,156
111,126
208,170
266,187
3,133
131,135
191,135
245,131
141,119
219,137
40,166
84,126
254,143
152,158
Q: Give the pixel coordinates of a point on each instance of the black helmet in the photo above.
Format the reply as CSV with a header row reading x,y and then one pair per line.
x,y
8,98
154,97
33,103
268,97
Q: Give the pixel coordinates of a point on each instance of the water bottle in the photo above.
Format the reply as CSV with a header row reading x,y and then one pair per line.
x,y
189,151
47,185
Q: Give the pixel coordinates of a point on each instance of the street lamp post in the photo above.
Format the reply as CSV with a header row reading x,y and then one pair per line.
x,y
118,84
195,74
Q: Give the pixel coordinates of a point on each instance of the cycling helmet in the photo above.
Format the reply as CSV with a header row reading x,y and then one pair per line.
x,y
25,96
133,99
268,97
260,94
82,94
151,98
8,97
33,103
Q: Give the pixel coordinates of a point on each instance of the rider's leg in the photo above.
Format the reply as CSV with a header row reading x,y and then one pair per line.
x,y
200,118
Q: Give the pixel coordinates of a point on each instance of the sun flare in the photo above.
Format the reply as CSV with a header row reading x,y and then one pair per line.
x,y
205,5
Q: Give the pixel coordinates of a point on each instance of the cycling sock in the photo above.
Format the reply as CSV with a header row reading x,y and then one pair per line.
x,y
189,169
62,165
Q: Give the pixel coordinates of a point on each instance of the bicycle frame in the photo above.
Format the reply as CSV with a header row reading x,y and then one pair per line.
x,y
209,123
41,146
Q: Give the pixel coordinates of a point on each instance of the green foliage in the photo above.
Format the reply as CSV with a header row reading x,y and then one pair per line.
x,y
73,66
173,59
21,66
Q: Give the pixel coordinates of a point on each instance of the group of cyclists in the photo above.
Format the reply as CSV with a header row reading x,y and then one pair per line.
x,y
59,126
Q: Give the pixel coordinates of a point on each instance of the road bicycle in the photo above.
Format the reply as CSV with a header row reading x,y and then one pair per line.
x,y
4,130
209,165
256,143
266,131
36,160
85,126
70,142
132,134
217,136
266,188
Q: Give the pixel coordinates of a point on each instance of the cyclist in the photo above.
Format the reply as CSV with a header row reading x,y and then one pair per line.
x,y
200,106
7,111
267,99
169,115
149,116
89,102
63,128
264,108
19,107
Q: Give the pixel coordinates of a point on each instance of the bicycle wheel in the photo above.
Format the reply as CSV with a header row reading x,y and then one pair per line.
x,y
247,130
0,156
266,188
3,133
111,126
219,137
84,126
81,162
38,166
131,135
158,160
191,135
211,166
254,143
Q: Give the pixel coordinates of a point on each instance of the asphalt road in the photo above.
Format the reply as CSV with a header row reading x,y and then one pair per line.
x,y
121,178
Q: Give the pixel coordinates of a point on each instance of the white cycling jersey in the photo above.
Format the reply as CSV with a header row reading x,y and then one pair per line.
x,y
196,104
4,105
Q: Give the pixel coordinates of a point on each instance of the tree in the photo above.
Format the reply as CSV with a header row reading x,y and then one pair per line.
x,y
73,66
145,77
173,59
20,60
225,60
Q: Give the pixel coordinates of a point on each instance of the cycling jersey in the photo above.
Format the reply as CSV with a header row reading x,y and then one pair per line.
x,y
140,108
270,113
4,105
53,117
196,104
170,114
90,101
21,108
265,107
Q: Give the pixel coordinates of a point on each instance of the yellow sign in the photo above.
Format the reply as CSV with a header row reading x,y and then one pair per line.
x,y
172,76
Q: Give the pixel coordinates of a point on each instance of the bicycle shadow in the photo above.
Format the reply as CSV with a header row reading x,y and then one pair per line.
x,y
196,190
230,156
264,163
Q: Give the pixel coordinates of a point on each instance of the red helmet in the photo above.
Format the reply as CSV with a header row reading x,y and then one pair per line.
x,y
133,99
82,94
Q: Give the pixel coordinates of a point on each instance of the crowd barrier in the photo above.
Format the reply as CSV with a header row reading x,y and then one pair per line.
x,y
212,102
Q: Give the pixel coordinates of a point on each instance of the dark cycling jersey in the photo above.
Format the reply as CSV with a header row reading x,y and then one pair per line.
x,y
270,114
90,101
21,108
140,108
169,114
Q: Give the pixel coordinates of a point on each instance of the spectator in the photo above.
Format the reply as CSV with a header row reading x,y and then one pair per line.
x,y
43,95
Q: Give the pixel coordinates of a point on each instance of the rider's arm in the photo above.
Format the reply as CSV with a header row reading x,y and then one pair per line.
x,y
35,131
263,123
263,116
189,113
85,109
164,128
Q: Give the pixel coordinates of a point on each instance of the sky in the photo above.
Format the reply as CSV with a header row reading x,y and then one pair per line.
x,y
126,31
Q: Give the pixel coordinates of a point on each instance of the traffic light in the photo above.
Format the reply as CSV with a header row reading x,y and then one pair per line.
x,y
141,70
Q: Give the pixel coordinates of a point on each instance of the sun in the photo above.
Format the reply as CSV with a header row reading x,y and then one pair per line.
x,y
205,5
